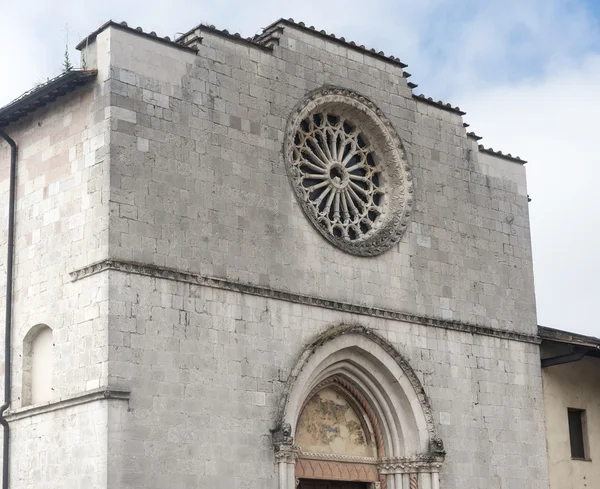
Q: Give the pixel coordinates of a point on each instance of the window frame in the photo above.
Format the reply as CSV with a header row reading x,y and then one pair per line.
x,y
582,423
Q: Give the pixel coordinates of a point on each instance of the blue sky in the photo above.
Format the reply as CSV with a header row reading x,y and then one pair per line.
x,y
526,71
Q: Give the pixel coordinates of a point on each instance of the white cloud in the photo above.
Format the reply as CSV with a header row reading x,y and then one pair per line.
x,y
552,123
524,70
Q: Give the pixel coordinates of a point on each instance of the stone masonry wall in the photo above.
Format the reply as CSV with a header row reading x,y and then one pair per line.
x,y
198,182
206,368
60,449
198,185
173,159
61,225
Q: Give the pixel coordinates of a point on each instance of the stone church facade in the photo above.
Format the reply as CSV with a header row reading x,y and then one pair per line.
x,y
263,263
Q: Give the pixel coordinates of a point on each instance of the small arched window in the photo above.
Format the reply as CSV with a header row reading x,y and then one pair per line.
x,y
37,365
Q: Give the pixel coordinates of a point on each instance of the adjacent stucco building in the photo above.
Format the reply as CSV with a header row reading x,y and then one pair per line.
x,y
571,381
261,262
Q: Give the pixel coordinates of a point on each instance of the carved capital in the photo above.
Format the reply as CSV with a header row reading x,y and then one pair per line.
x,y
286,454
408,465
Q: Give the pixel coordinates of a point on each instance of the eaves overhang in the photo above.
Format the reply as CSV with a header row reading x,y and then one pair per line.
x,y
577,346
43,94
576,339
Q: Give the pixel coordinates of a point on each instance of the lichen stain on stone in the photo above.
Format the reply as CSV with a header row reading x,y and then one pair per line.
x,y
328,424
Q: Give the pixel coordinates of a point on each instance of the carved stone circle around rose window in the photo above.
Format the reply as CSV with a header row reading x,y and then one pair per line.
x,y
349,171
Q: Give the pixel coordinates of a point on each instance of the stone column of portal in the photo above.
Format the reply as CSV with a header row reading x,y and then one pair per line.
x,y
398,481
282,472
401,480
414,480
390,481
286,456
403,474
425,480
291,472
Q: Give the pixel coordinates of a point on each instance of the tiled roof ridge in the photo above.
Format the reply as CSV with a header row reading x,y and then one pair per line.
x,y
236,36
257,41
331,37
474,136
138,31
500,154
440,104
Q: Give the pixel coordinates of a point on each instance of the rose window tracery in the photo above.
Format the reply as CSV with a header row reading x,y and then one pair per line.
x,y
349,171
338,169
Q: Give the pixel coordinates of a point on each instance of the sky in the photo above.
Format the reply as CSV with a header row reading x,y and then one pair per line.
x,y
527,72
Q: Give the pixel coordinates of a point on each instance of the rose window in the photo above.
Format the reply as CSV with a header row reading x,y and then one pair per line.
x,y
339,172
349,171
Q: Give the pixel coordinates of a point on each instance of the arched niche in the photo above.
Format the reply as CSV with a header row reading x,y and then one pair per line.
x,y
38,359
357,374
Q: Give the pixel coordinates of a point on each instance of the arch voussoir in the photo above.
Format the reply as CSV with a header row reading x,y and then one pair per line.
x,y
378,382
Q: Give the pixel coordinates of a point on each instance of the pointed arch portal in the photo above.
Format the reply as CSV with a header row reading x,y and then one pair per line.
x,y
354,410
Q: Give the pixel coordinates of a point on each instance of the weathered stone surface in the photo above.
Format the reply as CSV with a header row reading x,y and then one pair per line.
x,y
216,198
175,160
61,223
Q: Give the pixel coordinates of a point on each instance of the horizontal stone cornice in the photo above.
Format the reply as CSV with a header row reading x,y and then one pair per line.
x,y
230,285
67,402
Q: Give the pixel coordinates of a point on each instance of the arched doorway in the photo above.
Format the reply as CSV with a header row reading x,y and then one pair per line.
x,y
355,416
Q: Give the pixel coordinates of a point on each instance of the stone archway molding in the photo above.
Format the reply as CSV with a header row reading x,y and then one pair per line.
x,y
410,453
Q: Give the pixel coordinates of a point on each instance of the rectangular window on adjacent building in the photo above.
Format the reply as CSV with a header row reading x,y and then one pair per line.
x,y
578,433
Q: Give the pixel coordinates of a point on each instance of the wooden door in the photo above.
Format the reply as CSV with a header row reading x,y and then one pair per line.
x,y
319,484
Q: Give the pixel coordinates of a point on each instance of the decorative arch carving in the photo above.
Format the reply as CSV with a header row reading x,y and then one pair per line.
x,y
369,372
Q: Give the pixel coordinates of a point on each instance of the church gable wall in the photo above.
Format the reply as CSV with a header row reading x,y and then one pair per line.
x,y
177,167
199,183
